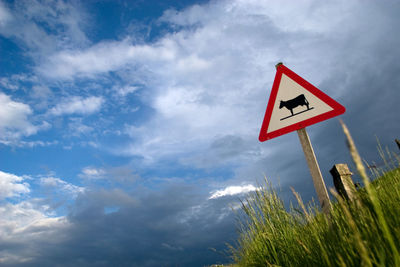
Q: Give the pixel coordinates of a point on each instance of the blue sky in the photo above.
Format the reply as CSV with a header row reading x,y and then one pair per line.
x,y
129,129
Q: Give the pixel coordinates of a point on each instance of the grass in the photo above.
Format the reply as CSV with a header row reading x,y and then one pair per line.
x,y
364,232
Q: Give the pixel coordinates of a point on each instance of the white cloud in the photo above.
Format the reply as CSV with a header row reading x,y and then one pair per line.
x,y
233,190
123,91
92,173
118,174
18,218
6,83
40,91
101,58
78,105
58,184
77,127
12,185
30,144
16,81
23,224
63,22
15,123
29,221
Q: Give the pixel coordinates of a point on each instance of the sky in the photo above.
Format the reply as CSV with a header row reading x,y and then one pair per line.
x,y
129,129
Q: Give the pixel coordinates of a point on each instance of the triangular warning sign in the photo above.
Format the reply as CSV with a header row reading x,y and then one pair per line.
x,y
294,104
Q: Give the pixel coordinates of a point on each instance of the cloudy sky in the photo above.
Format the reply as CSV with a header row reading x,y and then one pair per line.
x,y
129,129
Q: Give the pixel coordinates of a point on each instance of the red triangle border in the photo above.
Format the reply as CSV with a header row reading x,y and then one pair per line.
x,y
338,109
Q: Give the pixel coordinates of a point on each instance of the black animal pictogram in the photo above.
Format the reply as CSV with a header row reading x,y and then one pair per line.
x,y
293,103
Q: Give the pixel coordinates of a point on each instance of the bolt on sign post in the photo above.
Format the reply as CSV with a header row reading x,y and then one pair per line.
x,y
293,105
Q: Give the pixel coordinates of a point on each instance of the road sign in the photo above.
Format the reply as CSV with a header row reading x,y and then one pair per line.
x,y
294,104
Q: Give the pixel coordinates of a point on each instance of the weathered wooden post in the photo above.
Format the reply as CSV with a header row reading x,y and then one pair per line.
x,y
316,175
342,180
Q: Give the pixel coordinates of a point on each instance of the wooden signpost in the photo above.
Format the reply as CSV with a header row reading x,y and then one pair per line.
x,y
293,105
316,175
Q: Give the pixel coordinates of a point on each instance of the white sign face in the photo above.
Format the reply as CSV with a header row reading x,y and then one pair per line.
x,y
294,104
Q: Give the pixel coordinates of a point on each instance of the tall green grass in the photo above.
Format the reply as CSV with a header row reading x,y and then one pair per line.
x,y
365,232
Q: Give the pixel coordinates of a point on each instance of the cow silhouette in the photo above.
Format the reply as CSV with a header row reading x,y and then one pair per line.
x,y
295,102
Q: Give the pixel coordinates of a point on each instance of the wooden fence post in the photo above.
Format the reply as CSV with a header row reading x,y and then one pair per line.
x,y
342,180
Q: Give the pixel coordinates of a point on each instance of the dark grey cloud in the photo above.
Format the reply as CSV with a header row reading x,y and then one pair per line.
x,y
177,226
